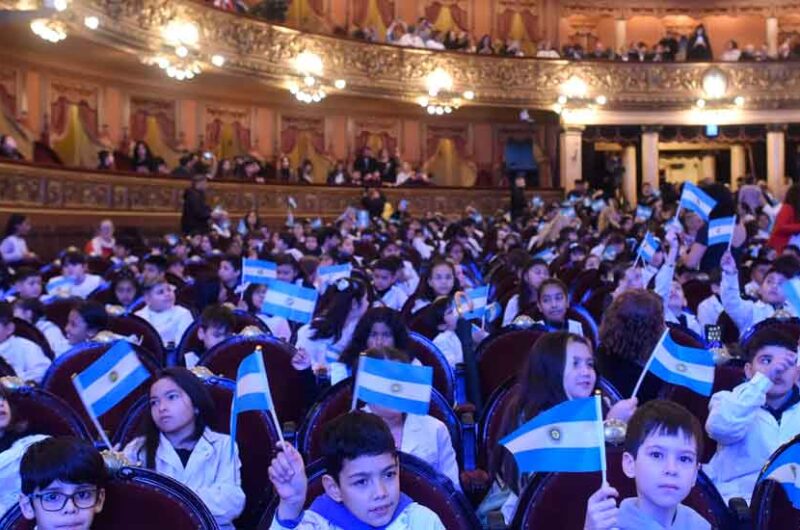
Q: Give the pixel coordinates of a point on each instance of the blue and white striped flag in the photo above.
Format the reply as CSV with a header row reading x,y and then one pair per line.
x,y
644,212
60,285
791,289
598,205
685,366
362,219
785,469
394,385
258,271
493,311
329,274
252,391
696,200
290,301
648,247
569,211
548,255
720,231
109,380
479,296
567,438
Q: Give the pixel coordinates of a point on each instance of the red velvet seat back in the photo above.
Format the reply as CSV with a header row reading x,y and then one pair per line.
x,y
696,291
417,480
137,498
501,356
29,331
256,438
103,295
583,284
127,325
790,326
57,310
418,322
543,502
596,302
728,328
47,413
337,400
286,383
241,319
58,380
429,355
97,265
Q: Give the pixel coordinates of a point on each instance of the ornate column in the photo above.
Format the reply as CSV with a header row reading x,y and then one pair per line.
x,y
772,36
709,165
630,164
570,145
620,34
738,164
650,155
776,161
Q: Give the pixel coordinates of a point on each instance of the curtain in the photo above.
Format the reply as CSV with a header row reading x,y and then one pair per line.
x,y
7,101
73,144
376,141
448,167
58,116
213,131
432,12
531,23
360,8
88,117
243,136
139,125
460,16
504,23
308,145
386,9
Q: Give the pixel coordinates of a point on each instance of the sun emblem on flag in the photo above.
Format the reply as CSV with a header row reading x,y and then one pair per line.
x,y
113,376
289,301
396,388
555,434
681,367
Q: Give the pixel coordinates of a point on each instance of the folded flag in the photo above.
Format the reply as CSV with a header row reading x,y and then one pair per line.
x,y
689,367
567,438
479,296
60,285
644,212
290,301
696,200
720,231
394,385
329,274
598,205
362,219
791,288
252,390
568,211
648,248
785,469
548,255
258,271
493,312
110,379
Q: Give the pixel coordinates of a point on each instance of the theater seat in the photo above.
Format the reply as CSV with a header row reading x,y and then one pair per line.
x,y
98,265
28,331
728,328
501,356
58,380
418,323
337,400
127,325
770,506
417,480
696,291
583,285
542,503
444,378
289,387
685,336
5,369
138,498
790,326
256,438
44,412
241,319
598,301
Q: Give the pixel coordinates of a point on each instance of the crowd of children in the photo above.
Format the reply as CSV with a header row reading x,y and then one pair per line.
x,y
406,274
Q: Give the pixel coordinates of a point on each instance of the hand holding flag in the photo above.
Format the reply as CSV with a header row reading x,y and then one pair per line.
x,y
252,391
685,366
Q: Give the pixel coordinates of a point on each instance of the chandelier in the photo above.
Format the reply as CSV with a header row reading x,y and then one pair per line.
x,y
309,85
441,98
715,91
52,28
574,95
182,57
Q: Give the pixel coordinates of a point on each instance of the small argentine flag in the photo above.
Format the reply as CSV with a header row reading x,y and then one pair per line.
x,y
720,231
60,285
331,273
692,368
548,255
362,219
791,288
598,205
479,296
394,385
648,248
644,212
258,271
785,469
567,438
569,211
290,301
252,391
493,311
696,200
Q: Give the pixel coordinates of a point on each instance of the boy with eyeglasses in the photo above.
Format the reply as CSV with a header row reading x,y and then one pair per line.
x,y
63,482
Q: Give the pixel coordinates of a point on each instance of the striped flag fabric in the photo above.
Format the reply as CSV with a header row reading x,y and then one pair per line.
x,y
598,205
791,289
785,469
329,274
60,285
644,212
548,255
720,231
685,366
252,390
696,200
258,271
109,380
290,301
479,296
648,247
568,211
394,385
567,438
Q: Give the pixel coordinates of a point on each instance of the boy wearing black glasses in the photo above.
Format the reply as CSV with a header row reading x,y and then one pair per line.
x,y
63,483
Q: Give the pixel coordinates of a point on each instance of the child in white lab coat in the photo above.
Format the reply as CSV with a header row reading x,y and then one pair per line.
x,y
443,317
179,443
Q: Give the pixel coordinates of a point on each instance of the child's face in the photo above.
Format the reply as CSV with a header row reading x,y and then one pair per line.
x,y
677,300
6,330
758,273
311,243
380,336
579,373
771,290
592,262
170,407
84,502
553,303
765,359
30,287
665,469
227,274
150,273
160,298
441,280
212,335
76,271
369,487
76,330
450,319
535,275
382,279
258,296
5,414
285,273
125,291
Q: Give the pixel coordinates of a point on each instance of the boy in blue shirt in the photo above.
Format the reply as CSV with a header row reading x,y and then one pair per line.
x,y
362,483
63,482
662,448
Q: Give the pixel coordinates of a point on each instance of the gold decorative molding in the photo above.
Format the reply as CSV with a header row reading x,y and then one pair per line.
x,y
691,8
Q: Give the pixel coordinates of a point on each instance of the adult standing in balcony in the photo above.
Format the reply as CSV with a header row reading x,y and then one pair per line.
x,y
700,45
196,212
